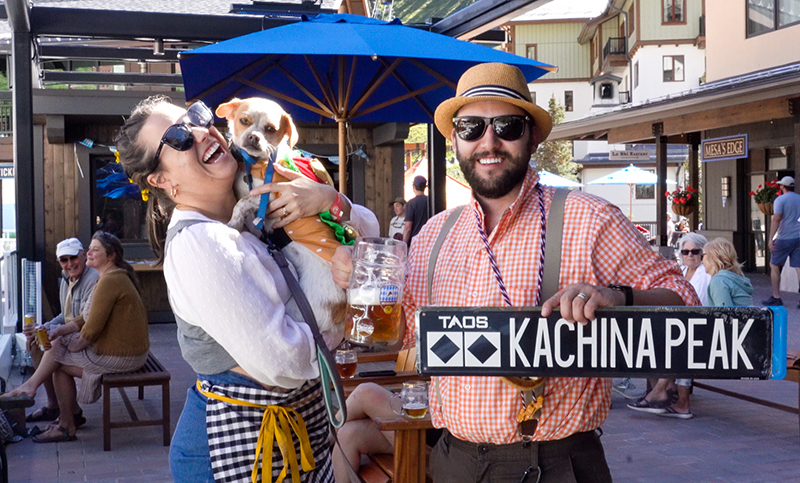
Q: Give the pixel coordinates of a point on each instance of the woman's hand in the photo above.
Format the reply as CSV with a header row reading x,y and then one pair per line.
x,y
299,197
342,265
78,344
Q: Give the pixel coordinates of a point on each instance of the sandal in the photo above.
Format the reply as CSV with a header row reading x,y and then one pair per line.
x,y
54,435
78,419
44,413
645,406
670,412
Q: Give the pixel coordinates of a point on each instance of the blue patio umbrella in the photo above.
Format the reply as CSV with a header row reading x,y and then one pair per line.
x,y
338,68
631,176
549,179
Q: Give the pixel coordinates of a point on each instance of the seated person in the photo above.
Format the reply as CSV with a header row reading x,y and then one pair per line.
x,y
74,286
114,339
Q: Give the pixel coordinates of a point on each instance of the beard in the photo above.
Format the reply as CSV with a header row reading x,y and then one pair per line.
x,y
500,185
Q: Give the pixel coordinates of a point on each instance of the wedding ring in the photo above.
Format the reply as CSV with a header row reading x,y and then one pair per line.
x,y
583,296
285,213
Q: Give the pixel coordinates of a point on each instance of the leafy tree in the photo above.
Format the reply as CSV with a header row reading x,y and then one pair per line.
x,y
556,156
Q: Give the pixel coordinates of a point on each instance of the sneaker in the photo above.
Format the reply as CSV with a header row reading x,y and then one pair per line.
x,y
627,389
772,301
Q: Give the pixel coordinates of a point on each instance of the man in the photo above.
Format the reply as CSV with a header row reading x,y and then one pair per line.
x,y
75,287
784,237
416,210
497,128
397,225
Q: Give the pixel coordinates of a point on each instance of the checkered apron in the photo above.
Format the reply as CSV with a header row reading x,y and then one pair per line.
x,y
238,432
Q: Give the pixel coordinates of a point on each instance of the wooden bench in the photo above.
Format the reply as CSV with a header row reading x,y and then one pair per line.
x,y
792,374
151,374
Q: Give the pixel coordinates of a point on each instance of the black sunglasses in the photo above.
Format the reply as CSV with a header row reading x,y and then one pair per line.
x,y
508,128
66,259
694,251
179,136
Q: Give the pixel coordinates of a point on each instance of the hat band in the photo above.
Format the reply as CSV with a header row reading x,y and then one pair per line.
x,y
493,91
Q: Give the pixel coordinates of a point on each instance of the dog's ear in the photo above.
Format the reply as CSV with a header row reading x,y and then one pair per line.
x,y
287,125
227,109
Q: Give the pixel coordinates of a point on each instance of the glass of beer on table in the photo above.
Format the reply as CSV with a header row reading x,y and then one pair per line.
x,y
412,401
346,361
376,291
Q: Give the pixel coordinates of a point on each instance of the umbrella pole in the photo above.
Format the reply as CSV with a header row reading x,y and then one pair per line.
x,y
630,203
342,156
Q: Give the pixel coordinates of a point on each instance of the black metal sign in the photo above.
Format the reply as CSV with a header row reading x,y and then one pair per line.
x,y
730,147
693,342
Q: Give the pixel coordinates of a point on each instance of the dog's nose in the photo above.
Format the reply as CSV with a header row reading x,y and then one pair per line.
x,y
254,139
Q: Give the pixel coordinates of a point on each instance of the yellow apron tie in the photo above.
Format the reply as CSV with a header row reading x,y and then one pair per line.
x,y
277,423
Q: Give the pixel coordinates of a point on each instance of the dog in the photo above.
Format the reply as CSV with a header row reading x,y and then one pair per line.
x,y
264,130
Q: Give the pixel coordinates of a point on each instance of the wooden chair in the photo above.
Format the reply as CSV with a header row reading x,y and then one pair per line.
x,y
405,369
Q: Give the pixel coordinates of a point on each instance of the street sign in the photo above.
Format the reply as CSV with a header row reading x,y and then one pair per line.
x,y
686,342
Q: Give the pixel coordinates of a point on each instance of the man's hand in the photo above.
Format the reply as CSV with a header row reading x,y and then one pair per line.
x,y
579,301
57,332
342,265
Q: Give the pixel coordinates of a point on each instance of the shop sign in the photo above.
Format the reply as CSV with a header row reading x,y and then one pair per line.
x,y
6,170
629,155
685,342
731,147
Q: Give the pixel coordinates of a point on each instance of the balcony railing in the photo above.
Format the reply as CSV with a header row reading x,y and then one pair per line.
x,y
614,46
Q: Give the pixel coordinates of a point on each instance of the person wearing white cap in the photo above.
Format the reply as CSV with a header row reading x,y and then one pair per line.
x,y
784,237
75,286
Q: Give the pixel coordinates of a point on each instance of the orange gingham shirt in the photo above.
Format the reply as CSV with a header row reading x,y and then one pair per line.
x,y
599,246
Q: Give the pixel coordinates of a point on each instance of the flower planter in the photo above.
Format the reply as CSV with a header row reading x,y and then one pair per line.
x,y
765,208
683,210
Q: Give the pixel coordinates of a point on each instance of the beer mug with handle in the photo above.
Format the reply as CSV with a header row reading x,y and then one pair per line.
x,y
412,401
376,292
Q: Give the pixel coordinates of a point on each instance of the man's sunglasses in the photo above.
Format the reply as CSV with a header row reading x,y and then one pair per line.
x,y
694,251
66,259
508,128
179,136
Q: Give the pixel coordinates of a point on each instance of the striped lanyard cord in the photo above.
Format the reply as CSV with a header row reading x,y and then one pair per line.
x,y
278,423
495,267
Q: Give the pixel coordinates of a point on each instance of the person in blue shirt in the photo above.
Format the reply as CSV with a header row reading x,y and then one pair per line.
x,y
728,286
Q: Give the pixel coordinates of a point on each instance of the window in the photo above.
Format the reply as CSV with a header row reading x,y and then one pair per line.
x,y
606,90
117,205
568,101
646,191
673,68
635,75
632,18
674,11
530,51
768,15
533,97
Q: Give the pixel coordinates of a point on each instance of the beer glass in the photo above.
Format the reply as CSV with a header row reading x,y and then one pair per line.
x,y
412,401
376,291
346,361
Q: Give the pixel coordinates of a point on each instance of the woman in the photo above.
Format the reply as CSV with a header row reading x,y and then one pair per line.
x,y
238,326
114,338
728,286
690,249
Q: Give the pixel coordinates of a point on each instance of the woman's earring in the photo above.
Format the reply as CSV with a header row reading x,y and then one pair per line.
x,y
173,191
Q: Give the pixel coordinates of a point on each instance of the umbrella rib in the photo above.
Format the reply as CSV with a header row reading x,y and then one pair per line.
x,y
350,82
432,72
401,99
235,75
302,88
408,89
323,87
321,112
375,85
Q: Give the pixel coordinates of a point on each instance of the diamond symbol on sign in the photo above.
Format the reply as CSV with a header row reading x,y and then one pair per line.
x,y
445,349
482,349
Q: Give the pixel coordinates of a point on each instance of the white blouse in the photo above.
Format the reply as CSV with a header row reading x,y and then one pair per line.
x,y
699,281
227,283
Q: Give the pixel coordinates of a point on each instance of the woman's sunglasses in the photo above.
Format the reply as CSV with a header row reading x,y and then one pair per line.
x,y
508,128
694,251
179,136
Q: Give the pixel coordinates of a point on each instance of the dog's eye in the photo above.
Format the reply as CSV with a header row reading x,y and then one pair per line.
x,y
270,129
245,122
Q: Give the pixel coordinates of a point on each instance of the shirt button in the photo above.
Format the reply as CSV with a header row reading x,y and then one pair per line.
x,y
467,387
474,294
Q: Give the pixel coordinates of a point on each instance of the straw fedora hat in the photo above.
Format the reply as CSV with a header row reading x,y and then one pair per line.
x,y
491,82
